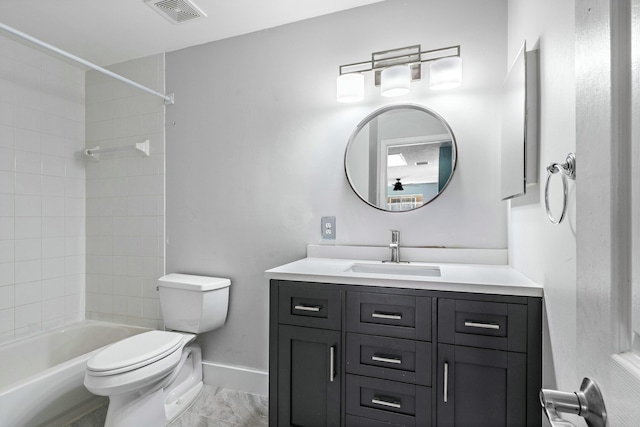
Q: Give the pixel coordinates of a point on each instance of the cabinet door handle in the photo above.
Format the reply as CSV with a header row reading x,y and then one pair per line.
x,y
380,401
481,325
386,359
332,363
301,307
392,316
446,382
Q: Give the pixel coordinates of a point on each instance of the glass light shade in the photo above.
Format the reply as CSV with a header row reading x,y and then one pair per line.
x,y
445,73
395,81
350,87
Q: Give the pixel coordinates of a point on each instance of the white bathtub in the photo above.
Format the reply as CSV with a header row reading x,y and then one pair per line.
x,y
41,377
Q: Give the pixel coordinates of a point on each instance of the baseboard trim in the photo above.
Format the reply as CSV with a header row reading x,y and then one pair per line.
x,y
240,378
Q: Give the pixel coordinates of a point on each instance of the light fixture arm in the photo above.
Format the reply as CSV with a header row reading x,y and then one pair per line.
x,y
410,55
398,68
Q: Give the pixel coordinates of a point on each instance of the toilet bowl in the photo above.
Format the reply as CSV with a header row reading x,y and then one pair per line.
x,y
153,377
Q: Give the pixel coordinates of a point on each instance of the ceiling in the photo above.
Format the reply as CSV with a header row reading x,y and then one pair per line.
x,y
422,163
111,31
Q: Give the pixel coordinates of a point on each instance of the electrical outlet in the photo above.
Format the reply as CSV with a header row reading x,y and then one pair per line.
x,y
328,227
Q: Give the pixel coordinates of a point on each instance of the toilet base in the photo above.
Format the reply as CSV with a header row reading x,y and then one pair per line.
x,y
161,403
132,410
176,408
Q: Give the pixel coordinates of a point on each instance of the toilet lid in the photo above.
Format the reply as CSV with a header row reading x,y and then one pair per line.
x,y
134,352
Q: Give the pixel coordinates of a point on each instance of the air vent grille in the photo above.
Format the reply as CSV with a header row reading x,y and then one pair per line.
x,y
177,11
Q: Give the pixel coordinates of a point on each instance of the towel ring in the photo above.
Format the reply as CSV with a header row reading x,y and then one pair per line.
x,y
567,170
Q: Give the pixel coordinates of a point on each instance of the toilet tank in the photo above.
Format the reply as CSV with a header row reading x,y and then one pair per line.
x,y
193,303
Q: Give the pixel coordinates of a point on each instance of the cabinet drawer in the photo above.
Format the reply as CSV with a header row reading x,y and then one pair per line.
x,y
389,358
388,401
500,326
389,315
309,305
353,421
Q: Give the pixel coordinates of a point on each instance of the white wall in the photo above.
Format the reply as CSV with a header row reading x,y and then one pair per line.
x,y
545,252
125,195
256,139
42,191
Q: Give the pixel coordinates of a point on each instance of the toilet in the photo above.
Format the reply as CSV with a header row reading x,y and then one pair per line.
x,y
151,378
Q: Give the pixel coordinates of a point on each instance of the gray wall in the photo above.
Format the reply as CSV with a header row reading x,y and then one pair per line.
x,y
256,139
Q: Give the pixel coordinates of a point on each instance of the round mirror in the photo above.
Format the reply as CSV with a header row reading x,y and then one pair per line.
x,y
400,157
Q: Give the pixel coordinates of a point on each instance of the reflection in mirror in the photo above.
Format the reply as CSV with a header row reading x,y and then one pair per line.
x,y
400,157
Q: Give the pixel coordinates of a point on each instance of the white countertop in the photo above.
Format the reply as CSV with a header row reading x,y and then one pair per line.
x,y
475,278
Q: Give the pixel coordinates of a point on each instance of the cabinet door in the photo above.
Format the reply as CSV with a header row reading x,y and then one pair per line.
x,y
308,377
480,388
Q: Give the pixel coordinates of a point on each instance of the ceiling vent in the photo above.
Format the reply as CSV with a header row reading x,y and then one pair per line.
x,y
177,11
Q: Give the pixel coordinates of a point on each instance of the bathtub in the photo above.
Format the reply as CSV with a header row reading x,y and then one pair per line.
x,y
41,377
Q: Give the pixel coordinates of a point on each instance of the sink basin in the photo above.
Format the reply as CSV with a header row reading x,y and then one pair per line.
x,y
395,269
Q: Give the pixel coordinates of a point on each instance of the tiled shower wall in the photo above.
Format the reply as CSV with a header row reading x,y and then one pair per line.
x,y
42,191
125,195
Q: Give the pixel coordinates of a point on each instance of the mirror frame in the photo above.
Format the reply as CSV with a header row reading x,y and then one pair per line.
x,y
383,110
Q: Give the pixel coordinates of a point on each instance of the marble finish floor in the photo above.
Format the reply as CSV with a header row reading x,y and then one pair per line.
x,y
225,408
217,407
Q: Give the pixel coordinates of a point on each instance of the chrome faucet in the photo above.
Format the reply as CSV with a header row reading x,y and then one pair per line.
x,y
395,246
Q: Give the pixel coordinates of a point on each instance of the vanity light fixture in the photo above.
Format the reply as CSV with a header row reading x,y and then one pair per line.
x,y
395,69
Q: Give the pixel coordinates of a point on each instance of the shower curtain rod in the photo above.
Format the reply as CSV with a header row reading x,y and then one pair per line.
x,y
168,99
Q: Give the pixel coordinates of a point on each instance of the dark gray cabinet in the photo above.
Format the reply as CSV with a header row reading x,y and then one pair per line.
x,y
308,364
388,359
489,361
305,362
345,355
480,387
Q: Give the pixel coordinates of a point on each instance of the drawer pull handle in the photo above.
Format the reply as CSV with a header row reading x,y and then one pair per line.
x,y
332,363
383,402
446,382
385,359
314,308
482,325
392,316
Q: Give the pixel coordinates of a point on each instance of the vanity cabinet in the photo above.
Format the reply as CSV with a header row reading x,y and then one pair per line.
x,y
489,362
306,358
354,355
